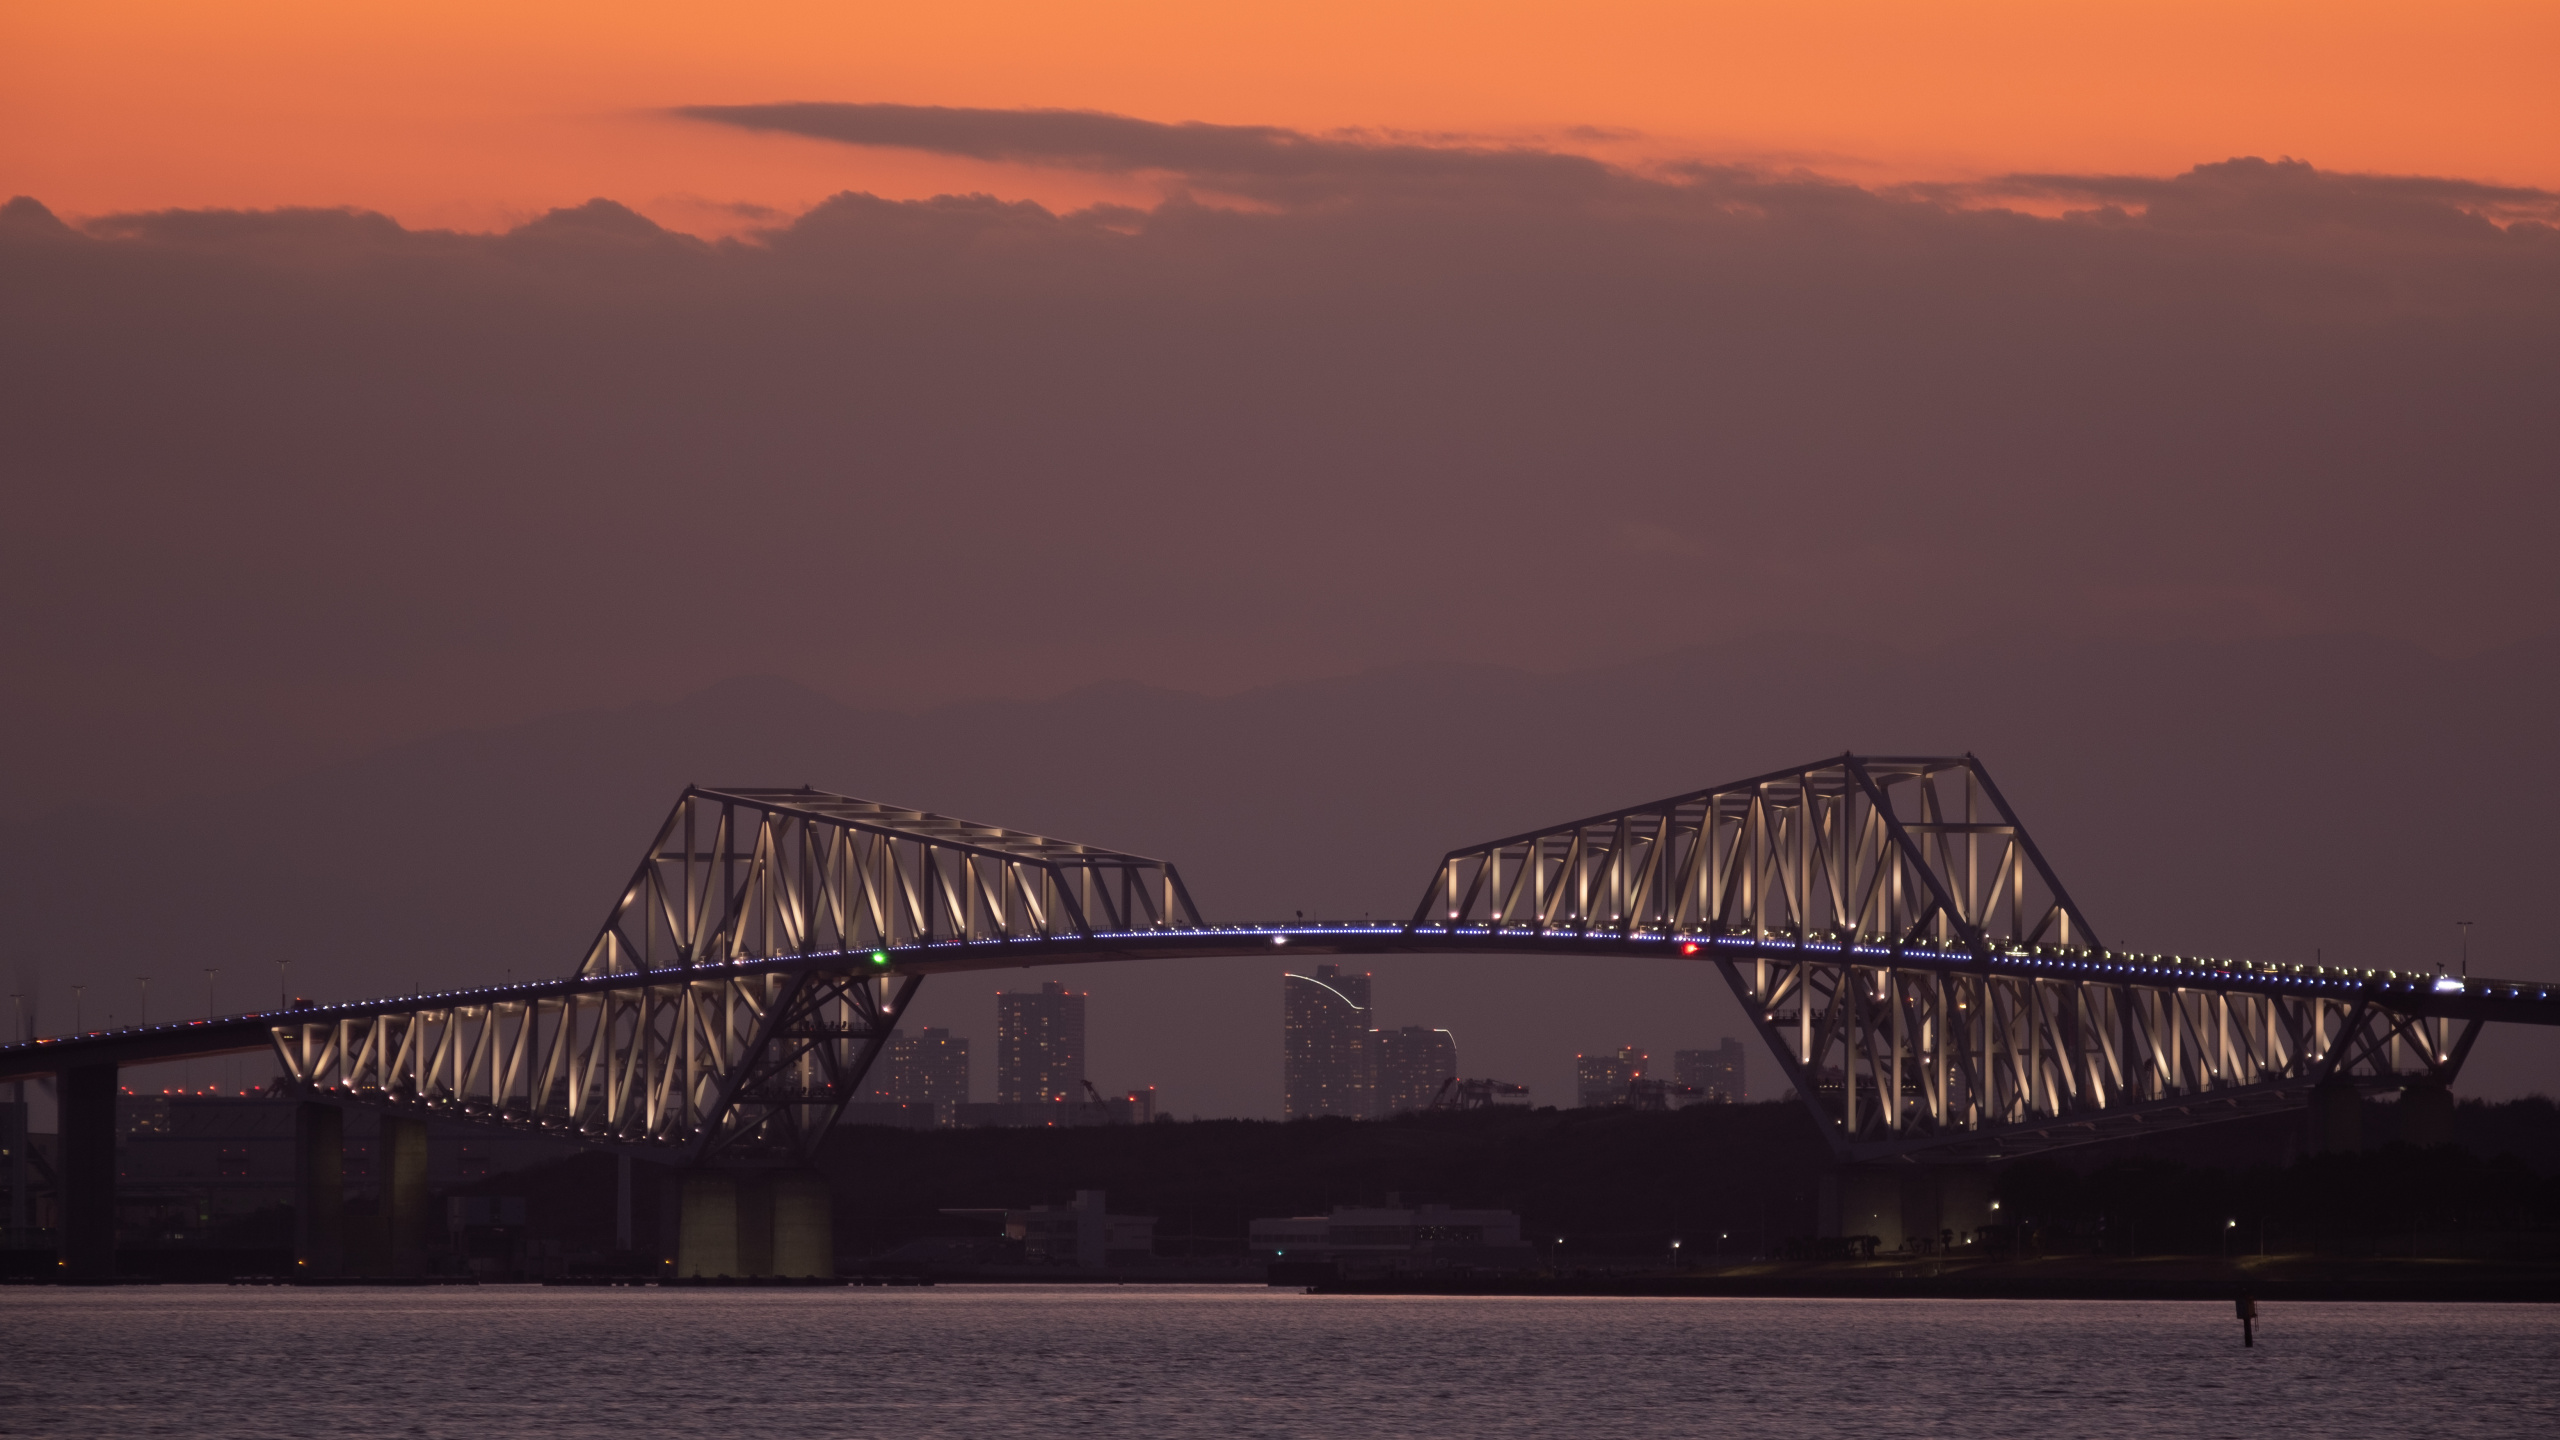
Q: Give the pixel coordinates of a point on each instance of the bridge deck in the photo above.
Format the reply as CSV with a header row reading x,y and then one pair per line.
x,y
2408,992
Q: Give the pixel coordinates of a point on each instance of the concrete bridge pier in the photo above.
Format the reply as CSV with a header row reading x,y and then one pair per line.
x,y
320,1201
88,1124
755,1224
1905,1205
2336,1118
401,1174
2426,1114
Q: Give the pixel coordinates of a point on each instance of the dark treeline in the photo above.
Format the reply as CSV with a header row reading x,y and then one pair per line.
x,y
2397,1199
1616,1183
1607,1181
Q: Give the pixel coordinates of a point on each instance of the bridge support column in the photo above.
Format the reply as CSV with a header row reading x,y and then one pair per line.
x,y
804,1228
707,1227
2337,1119
755,1224
622,1203
401,1169
1964,1202
2426,1114
320,1203
88,1121
1864,1200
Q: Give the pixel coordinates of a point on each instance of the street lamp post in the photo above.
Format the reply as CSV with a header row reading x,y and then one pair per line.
x,y
1675,1258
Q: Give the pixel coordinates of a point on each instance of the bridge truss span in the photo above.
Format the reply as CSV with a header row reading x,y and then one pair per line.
x,y
1895,936
752,874
1923,978
688,1067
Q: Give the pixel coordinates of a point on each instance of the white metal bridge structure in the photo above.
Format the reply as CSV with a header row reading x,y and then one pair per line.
x,y
1927,986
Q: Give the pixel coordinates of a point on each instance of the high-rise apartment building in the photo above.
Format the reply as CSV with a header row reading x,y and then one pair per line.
x,y
1327,1067
930,1070
1040,1046
1716,1074
1412,1064
1606,1079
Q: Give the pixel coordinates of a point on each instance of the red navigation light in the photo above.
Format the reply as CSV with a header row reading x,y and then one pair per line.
x,y
1689,948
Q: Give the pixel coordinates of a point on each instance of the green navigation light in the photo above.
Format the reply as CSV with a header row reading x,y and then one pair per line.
x,y
879,957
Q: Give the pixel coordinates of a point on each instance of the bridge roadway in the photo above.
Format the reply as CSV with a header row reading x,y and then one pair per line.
x,y
2416,993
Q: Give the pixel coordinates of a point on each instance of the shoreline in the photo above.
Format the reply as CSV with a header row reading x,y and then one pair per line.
x,y
2270,1279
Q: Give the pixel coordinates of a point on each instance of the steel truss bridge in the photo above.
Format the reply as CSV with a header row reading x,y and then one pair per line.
x,y
1928,987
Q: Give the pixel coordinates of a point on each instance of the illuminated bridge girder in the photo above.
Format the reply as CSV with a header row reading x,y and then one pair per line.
x,y
1922,977
753,874
1926,984
752,1066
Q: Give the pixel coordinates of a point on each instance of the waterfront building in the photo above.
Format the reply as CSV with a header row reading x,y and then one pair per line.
x,y
1040,1046
1606,1079
1327,1067
1716,1074
1393,1233
1413,1064
1083,1233
930,1072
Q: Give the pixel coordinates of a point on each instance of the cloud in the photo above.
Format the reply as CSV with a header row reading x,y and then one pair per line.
x,y
1260,161
2254,194
285,480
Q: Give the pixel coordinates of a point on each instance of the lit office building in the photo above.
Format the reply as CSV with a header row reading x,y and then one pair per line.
x,y
1040,1046
1606,1079
930,1071
1327,1066
1412,1065
1715,1074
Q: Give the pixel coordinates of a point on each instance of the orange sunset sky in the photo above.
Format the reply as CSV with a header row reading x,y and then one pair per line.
x,y
478,115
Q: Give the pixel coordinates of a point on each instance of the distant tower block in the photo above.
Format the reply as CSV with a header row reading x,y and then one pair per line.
x,y
1606,1079
931,1070
1040,1046
1328,1066
1413,1063
1715,1074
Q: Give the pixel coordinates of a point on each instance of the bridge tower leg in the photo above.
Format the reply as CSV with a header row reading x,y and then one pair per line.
x,y
88,1119
2337,1118
1864,1200
707,1227
804,1229
2426,1113
320,1202
402,1168
1964,1201
755,1224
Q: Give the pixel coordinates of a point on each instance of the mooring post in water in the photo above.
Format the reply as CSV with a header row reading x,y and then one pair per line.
x,y
2248,1310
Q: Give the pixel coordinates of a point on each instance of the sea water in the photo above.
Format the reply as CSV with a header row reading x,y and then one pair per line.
x,y
635,1364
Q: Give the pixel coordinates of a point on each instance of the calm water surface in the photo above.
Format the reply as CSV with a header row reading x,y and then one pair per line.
x,y
1223,1362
